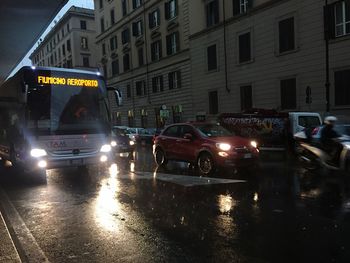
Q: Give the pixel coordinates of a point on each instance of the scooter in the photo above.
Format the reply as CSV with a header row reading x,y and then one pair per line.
x,y
314,156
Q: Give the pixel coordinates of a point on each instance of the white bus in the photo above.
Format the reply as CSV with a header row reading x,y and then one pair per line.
x,y
52,118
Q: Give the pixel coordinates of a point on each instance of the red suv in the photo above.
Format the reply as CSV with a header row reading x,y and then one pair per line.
x,y
205,145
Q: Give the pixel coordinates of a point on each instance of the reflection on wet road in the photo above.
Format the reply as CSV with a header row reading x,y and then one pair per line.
x,y
133,212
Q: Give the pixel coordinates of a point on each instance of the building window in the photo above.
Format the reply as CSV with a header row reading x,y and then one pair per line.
x,y
212,58
68,45
140,56
113,42
103,49
83,24
126,62
140,88
105,73
101,4
137,29
244,44
172,43
125,36
157,84
170,9
241,6
112,17
69,63
156,50
68,28
341,86
136,3
63,50
62,32
342,18
288,94
246,97
83,43
154,19
213,102
174,79
128,91
286,35
124,7
212,10
102,24
115,67
86,62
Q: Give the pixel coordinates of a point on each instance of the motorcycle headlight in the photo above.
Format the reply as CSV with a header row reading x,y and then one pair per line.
x,y
223,146
254,144
37,153
132,143
113,143
106,148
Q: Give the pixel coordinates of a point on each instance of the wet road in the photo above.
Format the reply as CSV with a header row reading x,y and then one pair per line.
x,y
135,213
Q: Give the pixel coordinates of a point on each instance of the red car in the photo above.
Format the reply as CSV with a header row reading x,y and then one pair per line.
x,y
205,145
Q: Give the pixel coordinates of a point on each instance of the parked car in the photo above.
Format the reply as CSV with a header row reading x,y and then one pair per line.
x,y
121,144
205,145
145,136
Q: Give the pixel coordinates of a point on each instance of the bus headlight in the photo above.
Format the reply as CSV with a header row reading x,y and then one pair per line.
x,y
132,143
223,146
254,144
106,148
113,143
37,153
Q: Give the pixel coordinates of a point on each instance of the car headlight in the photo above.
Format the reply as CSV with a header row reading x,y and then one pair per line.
x,y
113,143
254,144
37,153
132,143
223,146
347,146
106,148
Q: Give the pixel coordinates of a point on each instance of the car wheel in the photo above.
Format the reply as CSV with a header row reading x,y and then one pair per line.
x,y
159,157
205,164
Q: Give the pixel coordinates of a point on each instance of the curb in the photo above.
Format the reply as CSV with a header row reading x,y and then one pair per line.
x,y
8,251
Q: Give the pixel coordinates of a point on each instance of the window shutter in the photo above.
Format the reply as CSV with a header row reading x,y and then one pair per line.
x,y
167,10
170,79
178,79
236,8
150,20
134,29
168,44
177,36
329,21
161,83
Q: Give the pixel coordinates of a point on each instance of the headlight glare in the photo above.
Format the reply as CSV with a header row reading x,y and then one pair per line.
x,y
223,146
106,148
254,144
132,143
37,153
113,143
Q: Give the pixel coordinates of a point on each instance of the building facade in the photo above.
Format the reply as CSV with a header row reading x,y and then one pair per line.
x,y
143,50
269,54
70,43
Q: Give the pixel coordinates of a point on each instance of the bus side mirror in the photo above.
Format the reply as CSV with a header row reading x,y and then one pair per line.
x,y
117,95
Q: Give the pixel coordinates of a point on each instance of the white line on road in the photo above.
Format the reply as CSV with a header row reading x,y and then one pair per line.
x,y
30,248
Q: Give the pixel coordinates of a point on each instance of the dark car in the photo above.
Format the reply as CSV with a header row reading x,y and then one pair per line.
x,y
121,144
145,136
205,145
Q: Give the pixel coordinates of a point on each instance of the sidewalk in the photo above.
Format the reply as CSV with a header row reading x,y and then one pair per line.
x,y
8,252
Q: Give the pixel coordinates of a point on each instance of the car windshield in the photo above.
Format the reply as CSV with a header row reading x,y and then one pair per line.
x,y
213,130
119,132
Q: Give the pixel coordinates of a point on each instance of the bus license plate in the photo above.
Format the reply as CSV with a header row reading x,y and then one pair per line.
x,y
247,156
77,162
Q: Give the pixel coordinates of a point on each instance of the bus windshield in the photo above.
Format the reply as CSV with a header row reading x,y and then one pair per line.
x,y
64,109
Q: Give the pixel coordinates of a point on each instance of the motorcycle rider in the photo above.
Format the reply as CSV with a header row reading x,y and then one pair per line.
x,y
329,142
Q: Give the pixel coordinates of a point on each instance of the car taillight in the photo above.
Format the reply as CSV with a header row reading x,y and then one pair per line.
x,y
315,131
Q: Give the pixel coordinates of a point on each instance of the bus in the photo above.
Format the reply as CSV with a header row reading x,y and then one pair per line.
x,y
54,118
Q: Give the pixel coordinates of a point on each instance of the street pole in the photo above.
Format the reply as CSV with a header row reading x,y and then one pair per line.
x,y
327,84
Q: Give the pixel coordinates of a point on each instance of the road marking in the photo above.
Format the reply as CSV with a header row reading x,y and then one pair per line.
x,y
29,249
184,180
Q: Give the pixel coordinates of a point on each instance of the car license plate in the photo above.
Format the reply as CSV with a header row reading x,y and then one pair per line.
x,y
124,154
77,162
247,156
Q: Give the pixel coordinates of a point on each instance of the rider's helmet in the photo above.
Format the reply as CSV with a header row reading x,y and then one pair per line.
x,y
330,120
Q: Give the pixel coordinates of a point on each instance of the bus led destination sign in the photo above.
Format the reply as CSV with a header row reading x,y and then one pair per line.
x,y
91,83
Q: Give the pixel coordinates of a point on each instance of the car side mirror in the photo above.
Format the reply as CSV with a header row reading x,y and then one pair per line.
x,y
188,136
